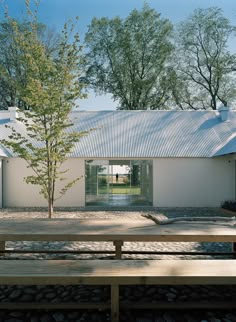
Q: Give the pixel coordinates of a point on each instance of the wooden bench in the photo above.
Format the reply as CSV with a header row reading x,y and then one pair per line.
x,y
117,232
115,273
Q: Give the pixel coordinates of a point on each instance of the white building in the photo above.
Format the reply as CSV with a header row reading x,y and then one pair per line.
x,y
156,158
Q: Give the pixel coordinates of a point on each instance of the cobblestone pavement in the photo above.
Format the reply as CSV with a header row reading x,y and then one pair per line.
x,y
136,294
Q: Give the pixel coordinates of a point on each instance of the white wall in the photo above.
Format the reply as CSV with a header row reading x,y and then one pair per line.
x,y
0,183
17,193
193,182
177,182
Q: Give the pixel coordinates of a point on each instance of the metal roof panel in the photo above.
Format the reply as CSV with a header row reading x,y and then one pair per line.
x,y
149,134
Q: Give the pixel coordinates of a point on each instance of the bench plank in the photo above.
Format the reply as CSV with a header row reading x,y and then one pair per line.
x,y
121,272
115,273
142,230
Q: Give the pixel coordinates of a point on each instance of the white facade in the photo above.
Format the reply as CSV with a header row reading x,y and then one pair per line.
x,y
17,193
1,181
177,182
193,182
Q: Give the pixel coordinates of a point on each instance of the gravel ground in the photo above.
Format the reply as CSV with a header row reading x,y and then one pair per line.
x,y
138,293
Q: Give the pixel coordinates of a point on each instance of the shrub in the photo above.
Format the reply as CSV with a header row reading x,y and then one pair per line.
x,y
229,205
102,181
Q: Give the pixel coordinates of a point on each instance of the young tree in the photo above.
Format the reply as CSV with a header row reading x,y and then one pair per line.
x,y
203,77
50,92
127,58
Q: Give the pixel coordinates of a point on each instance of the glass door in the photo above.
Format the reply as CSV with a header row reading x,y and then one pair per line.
x,y
97,181
119,182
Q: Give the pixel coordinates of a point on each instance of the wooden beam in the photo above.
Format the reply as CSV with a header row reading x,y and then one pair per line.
x,y
234,249
2,247
114,303
214,305
118,248
53,306
131,252
123,306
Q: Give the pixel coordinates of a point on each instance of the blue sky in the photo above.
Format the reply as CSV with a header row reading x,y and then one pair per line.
x,y
56,12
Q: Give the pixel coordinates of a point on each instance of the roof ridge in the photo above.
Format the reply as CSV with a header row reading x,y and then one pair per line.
x,y
148,111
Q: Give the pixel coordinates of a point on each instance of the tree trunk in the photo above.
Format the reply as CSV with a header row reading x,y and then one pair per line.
x,y
164,220
50,208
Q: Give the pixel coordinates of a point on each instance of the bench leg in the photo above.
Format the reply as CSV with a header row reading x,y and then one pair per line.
x,y
2,247
114,303
118,245
234,249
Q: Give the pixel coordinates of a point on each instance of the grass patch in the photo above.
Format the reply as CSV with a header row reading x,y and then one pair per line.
x,y
122,190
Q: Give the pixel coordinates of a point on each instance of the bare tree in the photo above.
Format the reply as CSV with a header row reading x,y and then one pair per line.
x,y
203,76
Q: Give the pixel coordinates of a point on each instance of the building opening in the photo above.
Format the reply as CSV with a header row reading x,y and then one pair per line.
x,y
118,182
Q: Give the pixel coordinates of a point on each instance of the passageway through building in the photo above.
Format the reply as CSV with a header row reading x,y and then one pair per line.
x,y
118,182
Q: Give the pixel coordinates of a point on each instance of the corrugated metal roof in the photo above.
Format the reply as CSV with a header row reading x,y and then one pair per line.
x,y
229,147
150,134
3,152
